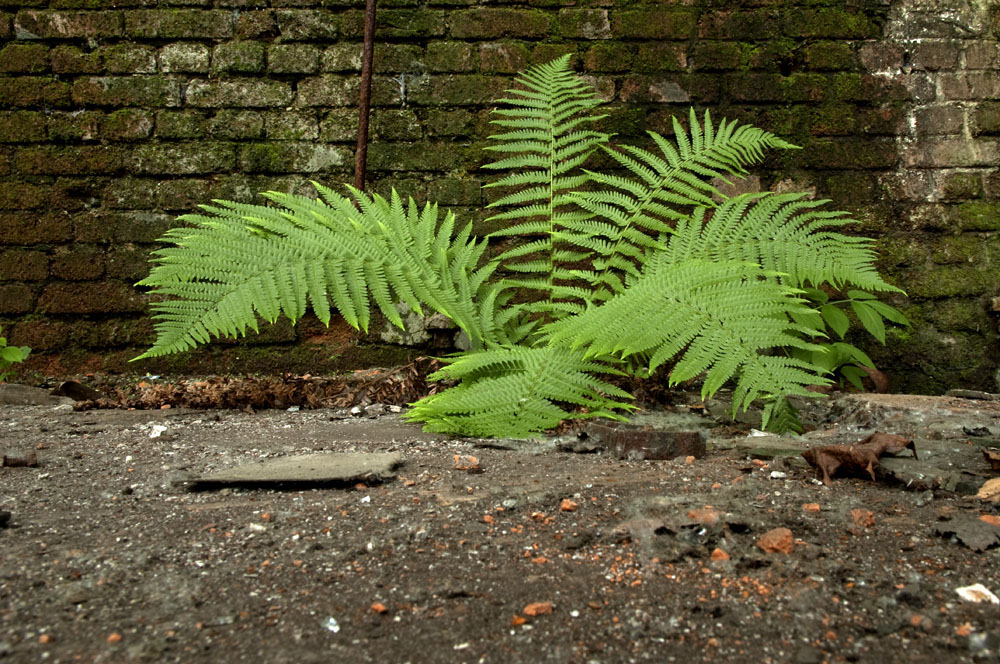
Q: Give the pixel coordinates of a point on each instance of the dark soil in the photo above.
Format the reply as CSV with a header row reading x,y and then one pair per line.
x,y
514,555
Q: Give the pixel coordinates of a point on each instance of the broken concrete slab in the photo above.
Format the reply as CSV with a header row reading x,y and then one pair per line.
x,y
313,469
12,394
638,442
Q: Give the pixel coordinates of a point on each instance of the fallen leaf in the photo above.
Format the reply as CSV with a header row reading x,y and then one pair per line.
x,y
862,456
990,490
537,609
993,458
778,540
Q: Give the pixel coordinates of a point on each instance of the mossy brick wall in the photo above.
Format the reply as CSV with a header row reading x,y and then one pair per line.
x,y
117,117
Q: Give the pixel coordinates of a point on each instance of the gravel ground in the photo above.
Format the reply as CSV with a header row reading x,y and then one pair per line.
x,y
468,553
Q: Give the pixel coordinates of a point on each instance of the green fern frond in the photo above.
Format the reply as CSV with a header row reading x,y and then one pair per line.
x,y
716,318
518,391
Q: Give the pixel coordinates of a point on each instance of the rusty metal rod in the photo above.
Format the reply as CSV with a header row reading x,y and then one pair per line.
x,y
364,110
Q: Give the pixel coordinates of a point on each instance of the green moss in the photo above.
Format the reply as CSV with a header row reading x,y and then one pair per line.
x,y
977,216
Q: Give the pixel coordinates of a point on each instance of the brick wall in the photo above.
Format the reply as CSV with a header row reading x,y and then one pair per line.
x,y
114,121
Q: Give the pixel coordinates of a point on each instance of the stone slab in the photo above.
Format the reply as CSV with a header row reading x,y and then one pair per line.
x,y
328,468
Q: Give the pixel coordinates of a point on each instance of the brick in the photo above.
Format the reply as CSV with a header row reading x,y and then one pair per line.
x,y
660,57
132,226
339,125
149,91
181,158
185,57
307,24
645,89
409,23
982,54
958,185
77,263
938,24
328,90
36,24
291,126
952,152
878,56
49,160
716,55
293,157
608,56
180,124
294,58
949,281
421,156
397,58
127,124
934,54
396,125
74,126
23,265
6,26
457,90
969,86
256,25
90,298
34,91
186,194
743,25
129,264
584,24
939,119
129,194
179,24
985,118
496,23
17,298
827,24
654,24
976,216
450,57
40,335
22,228
341,58
22,126
21,196
455,191
66,59
72,194
24,59
130,59
829,55
503,58
239,57
249,93
873,153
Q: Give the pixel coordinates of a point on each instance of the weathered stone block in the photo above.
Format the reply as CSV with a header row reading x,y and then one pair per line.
x,y
249,93
77,263
17,298
179,124
341,57
970,85
503,58
292,157
982,54
629,441
40,335
28,228
339,125
396,125
181,158
22,126
254,24
715,55
879,56
654,24
328,90
49,160
148,91
939,119
977,216
827,24
874,153
584,24
185,57
935,54
740,25
24,58
23,265
455,191
291,126
608,56
307,24
67,59
829,55
179,23
422,156
952,152
985,118
495,23
90,298
410,23
34,91
40,24
645,89
128,263
131,226
130,59
959,186
450,57
660,57
457,90
951,281
127,124
294,58
396,58
242,57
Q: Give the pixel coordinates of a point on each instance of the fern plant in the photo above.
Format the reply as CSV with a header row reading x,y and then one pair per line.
x,y
598,273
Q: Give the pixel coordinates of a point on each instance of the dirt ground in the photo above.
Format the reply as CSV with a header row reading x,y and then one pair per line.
x,y
479,551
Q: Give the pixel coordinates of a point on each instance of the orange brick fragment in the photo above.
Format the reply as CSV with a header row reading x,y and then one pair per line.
x,y
964,629
706,517
811,507
778,540
719,554
689,460
517,621
568,505
114,637
379,607
538,609
45,638
863,518
990,519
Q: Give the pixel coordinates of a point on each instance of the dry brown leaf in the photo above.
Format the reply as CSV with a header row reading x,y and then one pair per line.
x,y
860,457
993,458
990,490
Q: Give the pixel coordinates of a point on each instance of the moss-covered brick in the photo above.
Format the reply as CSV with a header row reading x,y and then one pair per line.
x,y
90,298
583,23
246,92
66,59
29,228
24,58
185,58
328,90
977,216
457,90
288,157
901,251
985,118
739,24
74,126
6,26
40,24
181,194
238,57
660,57
754,87
657,23
457,122
17,298
294,58
341,57
410,23
307,24
179,124
291,126
951,281
128,263
422,156
957,249
130,59
450,56
181,158
123,227
960,186
829,55
179,24
851,190
23,265
644,89
716,55
832,119
496,23
50,160
396,125
256,24
875,153
127,124
77,263
455,191
149,91
22,126
827,23
339,125
503,58
34,91
608,56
